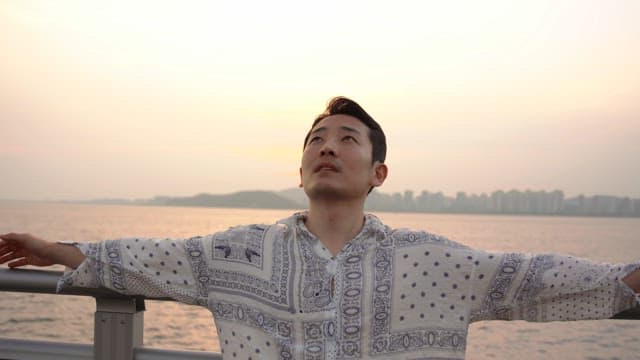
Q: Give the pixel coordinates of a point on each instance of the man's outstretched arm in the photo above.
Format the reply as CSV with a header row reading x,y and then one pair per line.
x,y
26,249
134,266
551,287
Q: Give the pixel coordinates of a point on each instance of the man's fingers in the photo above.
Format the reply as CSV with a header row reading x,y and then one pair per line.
x,y
5,250
11,237
4,245
10,256
19,262
14,239
5,239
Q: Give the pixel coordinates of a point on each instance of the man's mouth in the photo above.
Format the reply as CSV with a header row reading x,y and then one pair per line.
x,y
325,166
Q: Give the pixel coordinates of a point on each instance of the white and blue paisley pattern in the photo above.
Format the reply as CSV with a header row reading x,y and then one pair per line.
x,y
269,286
276,293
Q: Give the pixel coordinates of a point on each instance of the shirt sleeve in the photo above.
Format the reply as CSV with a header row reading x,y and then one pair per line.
x,y
548,287
145,266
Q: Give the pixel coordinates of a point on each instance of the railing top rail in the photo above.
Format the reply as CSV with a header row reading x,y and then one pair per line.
x,y
46,281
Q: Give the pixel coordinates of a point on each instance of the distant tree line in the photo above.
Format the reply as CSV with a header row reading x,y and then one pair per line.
x,y
501,202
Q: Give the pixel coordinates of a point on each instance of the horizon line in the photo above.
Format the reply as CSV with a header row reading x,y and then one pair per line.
x,y
415,193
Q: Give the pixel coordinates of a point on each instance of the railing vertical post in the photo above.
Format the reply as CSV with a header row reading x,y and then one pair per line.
x,y
118,328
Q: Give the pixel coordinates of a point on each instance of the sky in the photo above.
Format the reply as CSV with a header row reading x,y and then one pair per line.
x,y
132,99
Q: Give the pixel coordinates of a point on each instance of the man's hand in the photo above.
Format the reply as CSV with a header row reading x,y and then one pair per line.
x,y
26,249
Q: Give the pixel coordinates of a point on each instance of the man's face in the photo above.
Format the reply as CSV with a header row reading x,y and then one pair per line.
x,y
336,161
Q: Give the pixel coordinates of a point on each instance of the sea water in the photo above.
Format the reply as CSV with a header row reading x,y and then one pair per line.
x,y
172,325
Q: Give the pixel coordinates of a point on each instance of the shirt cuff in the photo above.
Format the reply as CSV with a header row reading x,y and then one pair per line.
x,y
85,274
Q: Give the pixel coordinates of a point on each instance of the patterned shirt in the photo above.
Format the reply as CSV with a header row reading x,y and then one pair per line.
x,y
277,293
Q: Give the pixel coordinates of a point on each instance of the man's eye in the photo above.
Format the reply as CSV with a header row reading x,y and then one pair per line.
x,y
350,138
314,139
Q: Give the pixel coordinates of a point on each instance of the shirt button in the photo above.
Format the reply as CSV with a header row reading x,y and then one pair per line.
x,y
332,266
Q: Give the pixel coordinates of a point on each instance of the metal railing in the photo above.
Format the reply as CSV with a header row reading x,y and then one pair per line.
x,y
118,324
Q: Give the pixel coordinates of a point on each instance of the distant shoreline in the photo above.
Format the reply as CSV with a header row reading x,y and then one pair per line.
x,y
498,203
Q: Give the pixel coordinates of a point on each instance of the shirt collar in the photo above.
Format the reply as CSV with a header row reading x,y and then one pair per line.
x,y
373,228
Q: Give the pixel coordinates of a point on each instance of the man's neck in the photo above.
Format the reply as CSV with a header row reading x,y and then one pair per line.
x,y
334,224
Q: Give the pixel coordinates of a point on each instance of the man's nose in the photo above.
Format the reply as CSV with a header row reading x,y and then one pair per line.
x,y
327,149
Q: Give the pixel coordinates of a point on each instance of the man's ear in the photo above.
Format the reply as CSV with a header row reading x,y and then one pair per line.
x,y
380,172
300,185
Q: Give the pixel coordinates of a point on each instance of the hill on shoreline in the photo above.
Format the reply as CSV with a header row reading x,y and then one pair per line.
x,y
243,199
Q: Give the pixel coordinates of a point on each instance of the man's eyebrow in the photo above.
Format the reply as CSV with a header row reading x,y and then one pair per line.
x,y
321,128
350,129
343,127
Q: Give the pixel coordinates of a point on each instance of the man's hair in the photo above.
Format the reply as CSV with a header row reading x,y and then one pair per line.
x,y
341,105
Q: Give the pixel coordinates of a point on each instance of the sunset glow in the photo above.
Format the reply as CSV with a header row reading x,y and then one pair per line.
x,y
136,99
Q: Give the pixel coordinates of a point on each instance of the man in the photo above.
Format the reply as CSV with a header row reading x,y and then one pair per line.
x,y
334,282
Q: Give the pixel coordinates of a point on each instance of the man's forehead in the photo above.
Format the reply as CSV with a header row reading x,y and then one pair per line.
x,y
345,122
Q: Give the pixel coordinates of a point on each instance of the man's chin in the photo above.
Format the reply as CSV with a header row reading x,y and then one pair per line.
x,y
327,191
